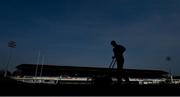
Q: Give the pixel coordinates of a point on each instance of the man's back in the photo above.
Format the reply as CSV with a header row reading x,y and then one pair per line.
x,y
118,51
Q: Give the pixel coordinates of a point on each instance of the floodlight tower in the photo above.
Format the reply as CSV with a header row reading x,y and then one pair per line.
x,y
11,44
168,59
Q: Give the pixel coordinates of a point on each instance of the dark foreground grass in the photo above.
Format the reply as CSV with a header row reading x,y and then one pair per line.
x,y
11,87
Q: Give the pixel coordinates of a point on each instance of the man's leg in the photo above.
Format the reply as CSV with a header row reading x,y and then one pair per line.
x,y
119,75
120,63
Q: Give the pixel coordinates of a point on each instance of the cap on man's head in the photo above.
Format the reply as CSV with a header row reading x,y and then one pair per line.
x,y
113,42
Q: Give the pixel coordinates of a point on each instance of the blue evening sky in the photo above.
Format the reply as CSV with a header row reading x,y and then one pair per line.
x,y
78,32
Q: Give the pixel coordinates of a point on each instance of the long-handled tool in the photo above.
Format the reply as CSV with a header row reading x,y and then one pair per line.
x,y
112,63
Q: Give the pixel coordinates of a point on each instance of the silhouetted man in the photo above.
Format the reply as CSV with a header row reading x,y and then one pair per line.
x,y
118,55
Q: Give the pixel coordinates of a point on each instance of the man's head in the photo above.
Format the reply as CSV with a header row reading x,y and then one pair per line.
x,y
113,43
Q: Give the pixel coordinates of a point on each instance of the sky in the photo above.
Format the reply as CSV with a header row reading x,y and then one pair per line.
x,y
79,32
